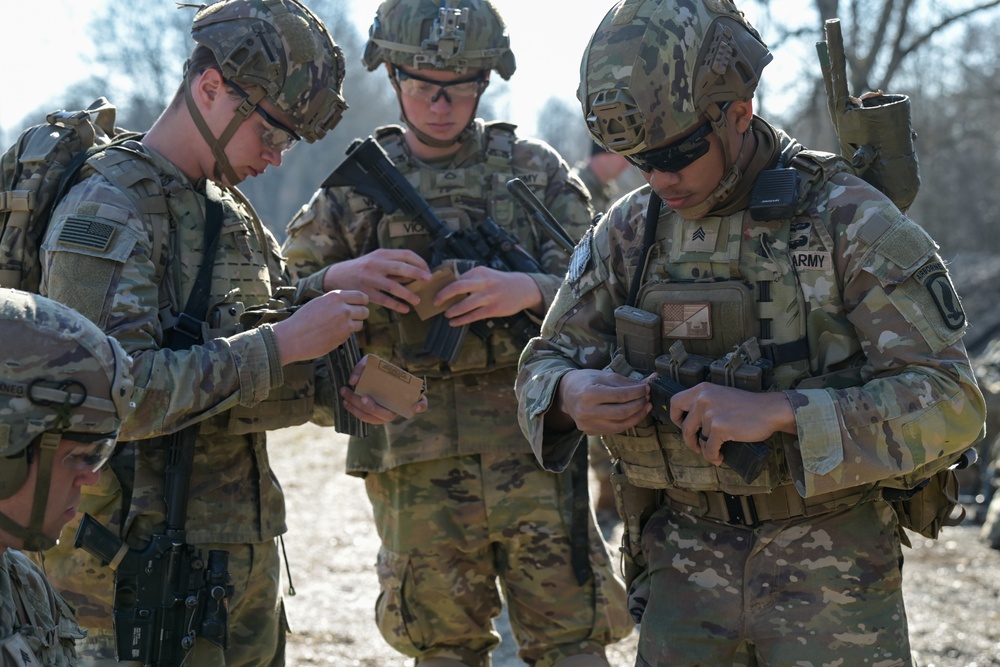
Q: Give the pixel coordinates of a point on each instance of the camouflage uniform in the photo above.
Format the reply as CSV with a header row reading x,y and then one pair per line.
x,y
466,471
36,626
802,565
124,247
235,498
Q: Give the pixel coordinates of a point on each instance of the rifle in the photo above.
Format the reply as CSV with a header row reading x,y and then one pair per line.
x,y
540,215
368,170
166,594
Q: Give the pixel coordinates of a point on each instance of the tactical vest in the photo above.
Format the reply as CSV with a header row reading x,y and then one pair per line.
x,y
460,196
719,281
174,216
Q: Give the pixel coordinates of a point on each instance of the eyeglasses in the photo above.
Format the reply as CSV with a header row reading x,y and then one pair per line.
x,y
429,90
675,156
278,137
93,451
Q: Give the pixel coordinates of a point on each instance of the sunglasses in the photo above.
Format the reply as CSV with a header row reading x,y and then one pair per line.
x,y
676,156
429,90
92,452
278,136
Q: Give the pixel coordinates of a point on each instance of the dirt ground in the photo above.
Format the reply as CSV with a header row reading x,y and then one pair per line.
x,y
952,585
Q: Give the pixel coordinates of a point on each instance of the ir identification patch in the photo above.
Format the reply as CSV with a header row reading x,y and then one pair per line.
x,y
687,320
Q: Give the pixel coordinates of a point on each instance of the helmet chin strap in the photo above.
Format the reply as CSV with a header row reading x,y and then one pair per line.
x,y
32,536
423,136
730,179
218,145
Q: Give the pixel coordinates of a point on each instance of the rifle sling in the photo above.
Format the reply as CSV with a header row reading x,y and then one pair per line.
x,y
180,445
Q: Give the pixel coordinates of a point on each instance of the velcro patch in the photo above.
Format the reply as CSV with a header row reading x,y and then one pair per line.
x,y
820,261
701,235
403,229
934,277
85,233
687,320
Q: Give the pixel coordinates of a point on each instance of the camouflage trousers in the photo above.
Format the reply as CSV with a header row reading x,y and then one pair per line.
x,y
453,528
257,624
825,590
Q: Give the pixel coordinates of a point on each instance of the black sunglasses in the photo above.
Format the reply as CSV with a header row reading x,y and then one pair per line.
x,y
676,156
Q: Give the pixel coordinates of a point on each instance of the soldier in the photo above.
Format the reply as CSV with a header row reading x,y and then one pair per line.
x,y
125,247
64,389
835,303
458,500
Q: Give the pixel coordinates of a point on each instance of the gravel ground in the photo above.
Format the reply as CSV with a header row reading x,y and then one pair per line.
x,y
952,585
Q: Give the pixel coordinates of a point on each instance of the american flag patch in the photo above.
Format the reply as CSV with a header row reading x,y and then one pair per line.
x,y
89,234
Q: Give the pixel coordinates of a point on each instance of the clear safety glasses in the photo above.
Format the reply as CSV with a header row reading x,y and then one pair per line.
x,y
275,135
429,90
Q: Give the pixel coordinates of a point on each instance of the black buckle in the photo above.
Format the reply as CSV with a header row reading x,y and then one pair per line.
x,y
742,511
188,326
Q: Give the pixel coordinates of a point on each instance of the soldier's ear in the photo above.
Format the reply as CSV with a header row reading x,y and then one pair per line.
x,y
741,114
209,88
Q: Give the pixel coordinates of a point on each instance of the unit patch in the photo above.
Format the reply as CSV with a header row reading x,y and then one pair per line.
x,y
934,277
687,320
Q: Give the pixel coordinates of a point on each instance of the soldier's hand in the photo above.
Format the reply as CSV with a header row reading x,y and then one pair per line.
x,y
710,414
489,293
381,274
599,402
366,408
320,325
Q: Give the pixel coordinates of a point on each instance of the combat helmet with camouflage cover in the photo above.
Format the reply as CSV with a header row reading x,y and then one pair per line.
x,y
655,70
278,50
456,35
60,377
447,35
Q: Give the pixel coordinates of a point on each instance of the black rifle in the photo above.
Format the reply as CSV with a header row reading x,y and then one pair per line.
x,y
368,170
169,593
746,458
166,594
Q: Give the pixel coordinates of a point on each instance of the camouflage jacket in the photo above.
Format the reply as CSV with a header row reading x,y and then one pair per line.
x,y
340,224
97,257
917,399
36,626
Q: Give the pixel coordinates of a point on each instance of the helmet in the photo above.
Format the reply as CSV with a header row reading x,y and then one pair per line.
x,y
281,47
704,50
440,34
58,373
